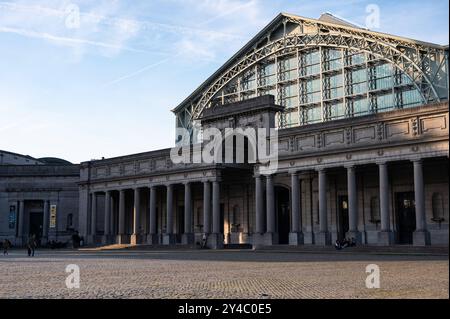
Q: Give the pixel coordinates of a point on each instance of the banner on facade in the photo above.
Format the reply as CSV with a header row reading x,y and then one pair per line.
x,y
52,216
12,217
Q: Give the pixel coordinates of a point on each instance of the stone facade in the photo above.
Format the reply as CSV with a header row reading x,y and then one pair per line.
x,y
347,178
30,195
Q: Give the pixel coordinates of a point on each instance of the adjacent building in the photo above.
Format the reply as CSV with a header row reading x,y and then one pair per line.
x,y
37,197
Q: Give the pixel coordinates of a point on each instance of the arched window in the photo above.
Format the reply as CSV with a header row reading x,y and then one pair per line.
x,y
374,210
438,207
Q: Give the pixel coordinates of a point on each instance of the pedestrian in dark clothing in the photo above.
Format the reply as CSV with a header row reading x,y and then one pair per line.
x,y
31,245
6,246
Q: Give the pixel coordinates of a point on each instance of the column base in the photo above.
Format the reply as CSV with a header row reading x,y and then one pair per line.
x,y
136,239
19,242
44,241
152,239
107,239
169,239
92,239
188,239
356,235
385,238
122,239
257,240
296,239
322,238
270,239
215,241
421,238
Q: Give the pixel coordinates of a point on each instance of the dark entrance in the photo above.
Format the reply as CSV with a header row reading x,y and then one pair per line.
x,y
282,206
406,217
180,225
342,216
36,225
222,220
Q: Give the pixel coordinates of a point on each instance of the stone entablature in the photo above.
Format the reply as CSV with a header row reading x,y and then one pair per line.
x,y
145,168
398,128
38,170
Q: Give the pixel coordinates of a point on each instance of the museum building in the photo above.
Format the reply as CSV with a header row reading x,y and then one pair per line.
x,y
363,146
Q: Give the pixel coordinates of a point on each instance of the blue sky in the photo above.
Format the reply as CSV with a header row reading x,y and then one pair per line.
x,y
103,85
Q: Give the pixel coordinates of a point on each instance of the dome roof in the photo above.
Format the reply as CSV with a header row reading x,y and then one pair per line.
x,y
54,161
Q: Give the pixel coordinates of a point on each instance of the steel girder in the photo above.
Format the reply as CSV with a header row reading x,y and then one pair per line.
x,y
359,41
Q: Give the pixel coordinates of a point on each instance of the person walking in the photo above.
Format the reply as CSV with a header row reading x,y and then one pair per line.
x,y
6,246
31,245
204,240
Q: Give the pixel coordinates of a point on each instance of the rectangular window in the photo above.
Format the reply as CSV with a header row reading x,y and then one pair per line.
x,y
313,114
411,98
360,107
385,102
336,111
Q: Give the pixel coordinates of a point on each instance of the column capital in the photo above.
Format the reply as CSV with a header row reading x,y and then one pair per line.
x,y
350,166
294,172
381,162
417,160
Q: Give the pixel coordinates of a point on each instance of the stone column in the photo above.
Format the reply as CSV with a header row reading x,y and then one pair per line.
x,y
188,236
207,207
258,235
271,235
169,237
122,238
352,205
45,224
259,205
323,237
385,236
421,237
107,225
92,238
296,235
152,237
20,219
216,238
136,237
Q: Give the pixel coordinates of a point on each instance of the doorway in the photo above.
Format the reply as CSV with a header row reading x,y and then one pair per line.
x,y
180,224
406,217
283,211
36,225
343,225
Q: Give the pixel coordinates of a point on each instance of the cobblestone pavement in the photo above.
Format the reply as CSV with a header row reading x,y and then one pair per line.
x,y
221,274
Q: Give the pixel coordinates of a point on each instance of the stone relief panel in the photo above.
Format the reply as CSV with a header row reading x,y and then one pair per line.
x,y
334,138
434,125
306,143
364,134
397,130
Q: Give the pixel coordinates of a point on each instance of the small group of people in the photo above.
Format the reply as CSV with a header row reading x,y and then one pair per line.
x,y
341,244
31,246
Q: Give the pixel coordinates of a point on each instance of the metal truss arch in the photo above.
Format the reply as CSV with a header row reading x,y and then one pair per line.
x,y
289,44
